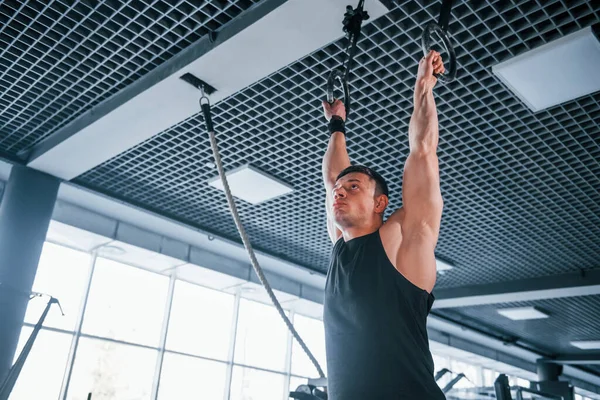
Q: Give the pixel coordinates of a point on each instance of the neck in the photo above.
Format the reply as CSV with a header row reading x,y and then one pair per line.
x,y
358,231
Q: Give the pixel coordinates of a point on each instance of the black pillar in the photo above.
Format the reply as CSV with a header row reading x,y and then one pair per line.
x,y
25,212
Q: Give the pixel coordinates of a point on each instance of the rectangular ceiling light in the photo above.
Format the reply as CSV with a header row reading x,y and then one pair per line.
x,y
252,185
554,73
245,51
521,313
442,265
587,344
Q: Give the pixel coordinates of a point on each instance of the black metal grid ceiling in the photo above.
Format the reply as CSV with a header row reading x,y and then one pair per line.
x,y
520,189
570,319
60,58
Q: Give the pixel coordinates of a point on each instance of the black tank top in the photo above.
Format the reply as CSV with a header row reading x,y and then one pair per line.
x,y
375,327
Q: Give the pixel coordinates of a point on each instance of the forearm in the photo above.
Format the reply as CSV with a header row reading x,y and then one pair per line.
x,y
336,157
423,129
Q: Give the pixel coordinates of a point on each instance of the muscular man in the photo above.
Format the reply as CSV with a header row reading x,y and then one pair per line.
x,y
381,273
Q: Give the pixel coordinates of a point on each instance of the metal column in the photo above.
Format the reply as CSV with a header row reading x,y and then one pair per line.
x,y
25,212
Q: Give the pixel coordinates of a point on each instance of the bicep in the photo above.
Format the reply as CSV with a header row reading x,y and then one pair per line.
x,y
421,194
422,205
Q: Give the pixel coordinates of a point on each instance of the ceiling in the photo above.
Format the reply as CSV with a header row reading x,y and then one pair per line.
x,y
61,58
570,319
521,190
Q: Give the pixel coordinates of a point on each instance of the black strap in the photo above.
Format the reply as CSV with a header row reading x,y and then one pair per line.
x,y
336,124
445,11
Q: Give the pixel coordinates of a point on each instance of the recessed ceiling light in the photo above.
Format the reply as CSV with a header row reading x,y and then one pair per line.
x,y
231,64
112,250
521,313
442,265
554,73
587,344
252,185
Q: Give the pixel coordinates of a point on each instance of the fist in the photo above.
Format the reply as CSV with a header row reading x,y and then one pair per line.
x,y
428,66
337,108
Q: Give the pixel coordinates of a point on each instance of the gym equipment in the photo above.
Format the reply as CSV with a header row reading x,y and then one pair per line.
x,y
441,373
206,111
205,105
353,19
453,382
503,391
308,392
441,29
15,370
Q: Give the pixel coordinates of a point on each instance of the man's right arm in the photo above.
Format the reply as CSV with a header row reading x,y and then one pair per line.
x,y
335,161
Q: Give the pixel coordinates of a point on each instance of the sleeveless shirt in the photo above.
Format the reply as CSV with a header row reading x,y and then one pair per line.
x,y
375,327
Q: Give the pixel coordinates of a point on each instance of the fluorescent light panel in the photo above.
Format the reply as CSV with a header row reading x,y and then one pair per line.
x,y
252,185
288,33
557,72
442,266
587,344
522,313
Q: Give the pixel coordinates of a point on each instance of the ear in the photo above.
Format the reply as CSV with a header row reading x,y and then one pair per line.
x,y
381,203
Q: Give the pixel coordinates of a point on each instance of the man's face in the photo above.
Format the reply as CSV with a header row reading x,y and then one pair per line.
x,y
354,201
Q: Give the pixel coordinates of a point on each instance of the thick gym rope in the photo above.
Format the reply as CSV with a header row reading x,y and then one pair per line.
x,y
352,23
238,223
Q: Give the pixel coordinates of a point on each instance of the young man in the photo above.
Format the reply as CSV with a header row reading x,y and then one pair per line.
x,y
381,274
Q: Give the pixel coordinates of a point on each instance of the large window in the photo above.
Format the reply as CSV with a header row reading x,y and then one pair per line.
x,y
200,321
439,363
62,273
185,377
42,373
119,346
125,303
312,332
516,381
471,372
489,377
261,339
254,384
111,370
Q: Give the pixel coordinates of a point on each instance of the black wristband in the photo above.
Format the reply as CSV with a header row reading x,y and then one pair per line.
x,y
336,124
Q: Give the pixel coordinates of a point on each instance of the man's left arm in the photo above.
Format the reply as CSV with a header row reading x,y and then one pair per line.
x,y
421,194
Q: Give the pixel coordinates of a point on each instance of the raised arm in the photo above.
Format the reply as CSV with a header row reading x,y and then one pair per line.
x,y
335,161
421,195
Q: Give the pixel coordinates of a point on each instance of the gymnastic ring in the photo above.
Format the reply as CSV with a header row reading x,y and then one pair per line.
x,y
338,75
426,39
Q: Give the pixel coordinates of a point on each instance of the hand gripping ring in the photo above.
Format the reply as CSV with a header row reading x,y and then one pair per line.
x,y
426,41
338,74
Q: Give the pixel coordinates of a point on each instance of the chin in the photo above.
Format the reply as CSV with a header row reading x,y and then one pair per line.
x,y
342,222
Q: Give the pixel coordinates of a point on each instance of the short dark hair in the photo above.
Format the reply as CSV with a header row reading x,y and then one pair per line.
x,y
381,186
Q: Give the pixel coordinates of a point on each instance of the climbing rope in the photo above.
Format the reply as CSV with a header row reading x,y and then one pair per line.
x,y
240,227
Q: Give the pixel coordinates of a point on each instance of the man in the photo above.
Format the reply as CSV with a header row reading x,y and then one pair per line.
x,y
381,274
